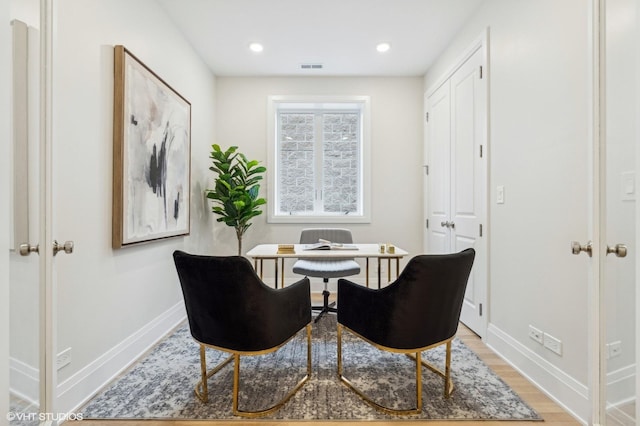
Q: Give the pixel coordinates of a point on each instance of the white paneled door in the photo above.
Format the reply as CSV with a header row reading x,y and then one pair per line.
x,y
26,331
31,337
456,175
438,170
618,211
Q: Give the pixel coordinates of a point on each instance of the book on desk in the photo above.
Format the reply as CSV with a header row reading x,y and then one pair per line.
x,y
328,245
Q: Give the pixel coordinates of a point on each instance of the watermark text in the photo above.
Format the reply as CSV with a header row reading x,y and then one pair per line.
x,y
43,417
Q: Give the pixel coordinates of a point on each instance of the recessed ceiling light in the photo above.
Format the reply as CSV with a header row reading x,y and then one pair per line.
x,y
383,47
256,47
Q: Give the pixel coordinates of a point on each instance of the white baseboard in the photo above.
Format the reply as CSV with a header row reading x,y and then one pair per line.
x,y
621,386
620,393
567,392
79,388
24,381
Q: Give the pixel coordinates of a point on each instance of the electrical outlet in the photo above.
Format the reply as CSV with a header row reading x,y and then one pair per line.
x,y
535,334
64,358
553,344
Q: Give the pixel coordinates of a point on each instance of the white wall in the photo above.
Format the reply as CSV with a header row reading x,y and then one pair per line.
x,y
396,117
538,149
5,77
112,304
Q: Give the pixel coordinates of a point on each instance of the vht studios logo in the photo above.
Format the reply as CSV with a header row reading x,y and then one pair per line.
x,y
43,417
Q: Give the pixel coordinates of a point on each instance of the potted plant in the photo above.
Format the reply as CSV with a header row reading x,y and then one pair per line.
x,y
236,189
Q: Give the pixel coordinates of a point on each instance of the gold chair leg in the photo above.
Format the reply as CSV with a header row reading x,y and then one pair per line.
x,y
279,404
448,384
419,381
399,412
203,371
339,350
236,381
446,374
202,390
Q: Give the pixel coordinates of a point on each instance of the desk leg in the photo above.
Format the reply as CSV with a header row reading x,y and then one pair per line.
x,y
389,270
397,267
282,275
379,271
276,267
367,273
258,269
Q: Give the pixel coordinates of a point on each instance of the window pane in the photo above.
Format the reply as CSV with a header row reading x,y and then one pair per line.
x,y
296,177
340,148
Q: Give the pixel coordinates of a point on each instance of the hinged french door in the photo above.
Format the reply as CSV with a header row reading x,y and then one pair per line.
x,y
456,175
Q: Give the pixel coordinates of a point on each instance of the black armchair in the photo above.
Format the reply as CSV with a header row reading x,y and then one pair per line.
x,y
230,309
417,312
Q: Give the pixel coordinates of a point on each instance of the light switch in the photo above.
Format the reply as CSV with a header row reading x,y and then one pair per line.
x,y
500,194
628,186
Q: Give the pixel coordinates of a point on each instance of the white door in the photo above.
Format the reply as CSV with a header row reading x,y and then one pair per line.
x,y
31,328
25,283
468,108
456,181
618,229
438,181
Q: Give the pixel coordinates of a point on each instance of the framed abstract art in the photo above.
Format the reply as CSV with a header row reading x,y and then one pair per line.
x,y
151,155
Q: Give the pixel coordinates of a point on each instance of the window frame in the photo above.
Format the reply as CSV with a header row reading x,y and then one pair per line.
x,y
273,215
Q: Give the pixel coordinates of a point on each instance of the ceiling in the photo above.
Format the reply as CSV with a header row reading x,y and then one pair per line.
x,y
339,34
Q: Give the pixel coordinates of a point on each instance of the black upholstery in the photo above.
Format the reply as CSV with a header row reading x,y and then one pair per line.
x,y
420,308
228,305
230,309
417,312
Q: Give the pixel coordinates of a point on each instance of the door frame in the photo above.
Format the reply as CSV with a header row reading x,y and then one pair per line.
x,y
5,78
595,298
481,42
47,357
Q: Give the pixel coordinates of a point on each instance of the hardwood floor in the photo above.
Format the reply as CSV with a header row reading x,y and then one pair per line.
x,y
552,414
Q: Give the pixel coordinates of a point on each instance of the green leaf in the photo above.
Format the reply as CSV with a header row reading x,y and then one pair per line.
x,y
260,169
253,192
236,188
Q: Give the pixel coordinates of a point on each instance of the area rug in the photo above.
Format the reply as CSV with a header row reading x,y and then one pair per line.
x,y
160,386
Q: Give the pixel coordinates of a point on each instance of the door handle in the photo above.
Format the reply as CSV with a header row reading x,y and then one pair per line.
x,y
620,250
448,224
26,249
67,247
577,248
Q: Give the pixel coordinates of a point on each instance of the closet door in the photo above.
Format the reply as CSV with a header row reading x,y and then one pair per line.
x,y
439,170
468,111
456,176
619,219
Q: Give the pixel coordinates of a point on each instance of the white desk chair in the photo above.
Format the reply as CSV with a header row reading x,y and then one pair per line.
x,y
326,268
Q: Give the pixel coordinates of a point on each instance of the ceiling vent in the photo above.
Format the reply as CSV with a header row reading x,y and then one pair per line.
x,y
311,66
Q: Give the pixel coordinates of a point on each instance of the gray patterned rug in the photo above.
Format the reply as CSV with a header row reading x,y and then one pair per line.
x,y
161,385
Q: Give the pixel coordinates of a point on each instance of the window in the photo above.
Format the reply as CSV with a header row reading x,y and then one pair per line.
x,y
318,160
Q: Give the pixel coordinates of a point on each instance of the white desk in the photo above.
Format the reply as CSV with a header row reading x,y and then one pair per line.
x,y
263,252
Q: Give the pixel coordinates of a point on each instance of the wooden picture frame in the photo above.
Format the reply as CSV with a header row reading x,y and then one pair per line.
x,y
151,155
